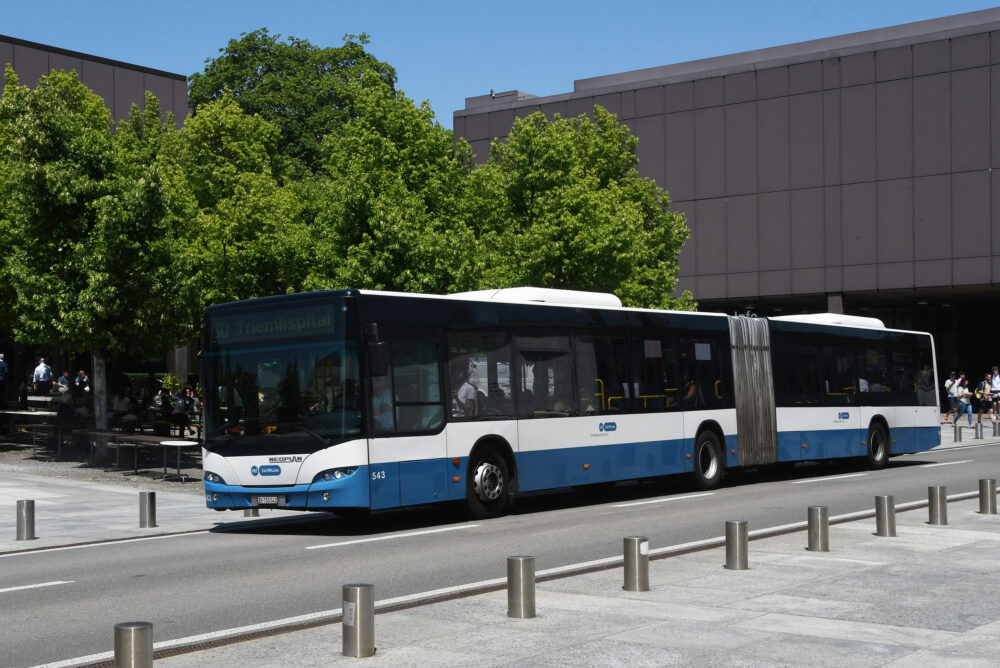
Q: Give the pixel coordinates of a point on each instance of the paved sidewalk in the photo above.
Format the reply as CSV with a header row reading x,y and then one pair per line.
x,y
925,597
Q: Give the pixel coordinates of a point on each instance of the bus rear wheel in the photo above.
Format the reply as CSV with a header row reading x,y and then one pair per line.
x,y
488,485
878,446
708,465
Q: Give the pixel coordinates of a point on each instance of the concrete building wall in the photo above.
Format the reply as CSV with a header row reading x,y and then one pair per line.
x,y
850,164
119,84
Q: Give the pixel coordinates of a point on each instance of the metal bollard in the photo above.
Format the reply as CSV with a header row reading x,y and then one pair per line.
x,y
636,563
996,428
737,537
26,520
979,430
133,645
359,620
147,510
251,512
819,529
521,587
957,433
937,498
988,496
885,516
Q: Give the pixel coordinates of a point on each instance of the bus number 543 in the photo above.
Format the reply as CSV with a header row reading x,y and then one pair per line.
x,y
378,475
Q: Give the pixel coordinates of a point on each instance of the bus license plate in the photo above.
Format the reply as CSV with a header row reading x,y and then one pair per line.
x,y
268,501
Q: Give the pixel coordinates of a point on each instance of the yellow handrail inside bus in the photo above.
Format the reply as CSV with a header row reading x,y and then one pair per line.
x,y
718,395
601,393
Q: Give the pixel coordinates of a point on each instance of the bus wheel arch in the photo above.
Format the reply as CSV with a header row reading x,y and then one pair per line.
x,y
490,478
708,456
879,445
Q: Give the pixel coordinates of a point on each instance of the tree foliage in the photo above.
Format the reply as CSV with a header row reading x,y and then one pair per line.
x,y
306,91
389,199
560,204
95,221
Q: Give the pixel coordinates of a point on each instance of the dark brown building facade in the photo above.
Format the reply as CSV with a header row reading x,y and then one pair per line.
x,y
119,84
853,173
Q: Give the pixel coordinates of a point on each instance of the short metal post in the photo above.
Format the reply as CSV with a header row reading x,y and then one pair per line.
x,y
521,587
134,645
147,510
359,620
957,431
988,496
819,529
26,520
885,516
636,563
979,430
937,498
996,428
737,537
251,512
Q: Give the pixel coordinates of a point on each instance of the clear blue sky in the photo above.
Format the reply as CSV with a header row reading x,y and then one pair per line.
x,y
445,51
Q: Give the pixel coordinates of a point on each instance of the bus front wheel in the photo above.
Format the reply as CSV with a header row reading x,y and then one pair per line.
x,y
708,465
878,446
488,485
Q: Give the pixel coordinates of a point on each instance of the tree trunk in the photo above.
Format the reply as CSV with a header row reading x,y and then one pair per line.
x,y
99,390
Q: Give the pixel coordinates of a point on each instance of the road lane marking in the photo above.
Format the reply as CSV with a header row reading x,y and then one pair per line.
x,y
930,466
36,586
829,477
102,543
398,535
670,498
435,593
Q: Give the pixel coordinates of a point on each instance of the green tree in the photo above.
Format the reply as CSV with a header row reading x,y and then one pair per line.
x,y
560,204
306,91
95,225
250,235
387,206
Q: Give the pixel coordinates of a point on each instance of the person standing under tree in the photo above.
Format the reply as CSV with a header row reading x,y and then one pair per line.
x,y
42,377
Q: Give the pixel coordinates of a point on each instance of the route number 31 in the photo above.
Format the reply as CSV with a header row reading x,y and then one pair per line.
x,y
378,475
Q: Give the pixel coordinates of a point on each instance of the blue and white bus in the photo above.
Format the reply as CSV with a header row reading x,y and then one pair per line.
x,y
353,400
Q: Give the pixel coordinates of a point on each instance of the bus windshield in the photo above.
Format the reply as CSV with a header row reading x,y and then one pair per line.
x,y
284,381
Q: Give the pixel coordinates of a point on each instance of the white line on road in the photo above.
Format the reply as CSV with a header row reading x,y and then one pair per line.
x,y
288,621
398,535
36,586
930,466
670,498
829,477
102,543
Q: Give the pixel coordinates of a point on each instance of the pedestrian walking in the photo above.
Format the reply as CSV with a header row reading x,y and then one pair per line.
x,y
964,399
951,388
4,372
984,397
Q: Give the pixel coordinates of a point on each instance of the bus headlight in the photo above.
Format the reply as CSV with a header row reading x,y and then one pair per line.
x,y
214,477
335,474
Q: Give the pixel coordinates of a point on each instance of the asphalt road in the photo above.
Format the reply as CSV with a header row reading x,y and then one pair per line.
x,y
259,572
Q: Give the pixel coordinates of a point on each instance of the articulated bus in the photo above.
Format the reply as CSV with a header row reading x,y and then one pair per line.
x,y
354,400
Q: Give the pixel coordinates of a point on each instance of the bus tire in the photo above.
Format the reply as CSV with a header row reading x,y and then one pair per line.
x,y
708,464
488,485
878,446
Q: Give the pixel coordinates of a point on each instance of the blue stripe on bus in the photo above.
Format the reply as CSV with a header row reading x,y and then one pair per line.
x,y
543,469
349,492
395,484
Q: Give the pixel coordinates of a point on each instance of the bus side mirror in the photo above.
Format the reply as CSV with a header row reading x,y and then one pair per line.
x,y
378,365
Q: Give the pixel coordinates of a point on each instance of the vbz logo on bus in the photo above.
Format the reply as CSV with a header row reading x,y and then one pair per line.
x,y
843,415
608,426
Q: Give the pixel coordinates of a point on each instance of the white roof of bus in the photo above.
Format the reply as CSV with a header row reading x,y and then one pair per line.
x,y
834,319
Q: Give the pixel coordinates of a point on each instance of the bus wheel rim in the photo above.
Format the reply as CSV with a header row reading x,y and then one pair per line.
x,y
488,481
706,461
